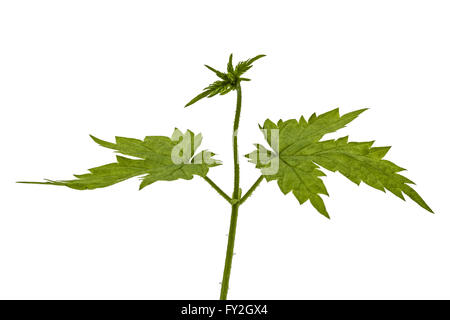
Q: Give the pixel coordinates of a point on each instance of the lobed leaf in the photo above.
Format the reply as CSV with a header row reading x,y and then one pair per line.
x,y
298,153
159,158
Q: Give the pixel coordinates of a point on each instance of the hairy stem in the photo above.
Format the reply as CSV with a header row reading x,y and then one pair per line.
x,y
218,189
235,206
235,142
250,191
229,254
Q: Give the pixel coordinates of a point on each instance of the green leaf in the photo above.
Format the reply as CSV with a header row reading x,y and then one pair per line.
x,y
230,68
228,81
217,87
221,75
243,66
197,98
159,158
297,155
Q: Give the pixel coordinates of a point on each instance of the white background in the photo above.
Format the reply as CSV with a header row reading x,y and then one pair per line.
x,y
73,68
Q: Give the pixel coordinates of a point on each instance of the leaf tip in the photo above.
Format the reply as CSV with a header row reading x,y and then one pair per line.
x,y
362,110
426,207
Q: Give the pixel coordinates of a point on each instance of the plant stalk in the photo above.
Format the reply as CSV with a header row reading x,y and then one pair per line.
x,y
236,195
217,188
250,191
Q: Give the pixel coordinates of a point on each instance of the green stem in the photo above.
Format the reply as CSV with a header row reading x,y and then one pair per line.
x,y
217,188
235,141
250,191
234,207
229,254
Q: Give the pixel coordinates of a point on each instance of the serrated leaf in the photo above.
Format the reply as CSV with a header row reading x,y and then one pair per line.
x,y
218,87
159,158
298,153
243,66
